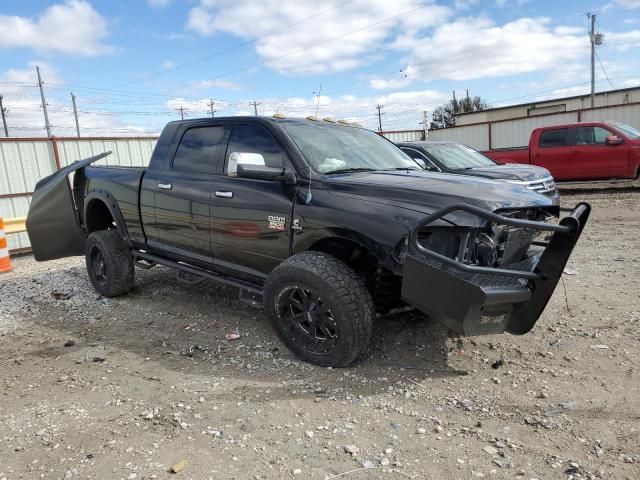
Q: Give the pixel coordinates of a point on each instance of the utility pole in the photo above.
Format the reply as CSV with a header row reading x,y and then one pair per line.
x,y
211,104
4,119
455,105
75,113
44,103
255,108
181,110
318,97
379,108
425,125
593,58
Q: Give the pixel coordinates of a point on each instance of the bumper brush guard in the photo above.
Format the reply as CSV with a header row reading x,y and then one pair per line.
x,y
475,300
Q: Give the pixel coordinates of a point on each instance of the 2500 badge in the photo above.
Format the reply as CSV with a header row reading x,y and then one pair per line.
x,y
277,223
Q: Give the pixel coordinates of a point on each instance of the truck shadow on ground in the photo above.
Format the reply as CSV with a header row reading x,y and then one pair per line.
x,y
183,328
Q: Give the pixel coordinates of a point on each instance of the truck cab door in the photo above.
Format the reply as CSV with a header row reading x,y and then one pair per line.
x,y
554,152
182,196
251,218
594,159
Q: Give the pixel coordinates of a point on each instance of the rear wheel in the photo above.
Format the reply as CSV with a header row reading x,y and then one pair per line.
x,y
320,308
109,263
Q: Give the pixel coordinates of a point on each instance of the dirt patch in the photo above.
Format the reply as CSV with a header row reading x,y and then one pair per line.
x,y
131,387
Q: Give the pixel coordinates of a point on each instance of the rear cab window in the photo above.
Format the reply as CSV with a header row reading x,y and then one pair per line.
x,y
557,137
199,150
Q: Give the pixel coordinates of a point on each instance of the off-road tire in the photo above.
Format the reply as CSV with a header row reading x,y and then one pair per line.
x,y
116,276
340,289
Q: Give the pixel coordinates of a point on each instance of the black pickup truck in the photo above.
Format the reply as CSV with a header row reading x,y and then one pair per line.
x,y
323,224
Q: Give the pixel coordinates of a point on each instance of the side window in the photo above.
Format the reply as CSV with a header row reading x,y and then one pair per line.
x,y
592,136
554,138
256,139
198,150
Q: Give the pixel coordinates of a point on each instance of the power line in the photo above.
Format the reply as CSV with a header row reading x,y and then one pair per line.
x,y
604,71
234,47
293,52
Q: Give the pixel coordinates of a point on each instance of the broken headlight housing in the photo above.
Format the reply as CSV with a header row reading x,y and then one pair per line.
x,y
490,245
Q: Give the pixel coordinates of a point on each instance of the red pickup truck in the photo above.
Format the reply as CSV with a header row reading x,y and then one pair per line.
x,y
580,151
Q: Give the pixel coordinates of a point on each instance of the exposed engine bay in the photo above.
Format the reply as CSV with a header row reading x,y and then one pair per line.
x,y
493,245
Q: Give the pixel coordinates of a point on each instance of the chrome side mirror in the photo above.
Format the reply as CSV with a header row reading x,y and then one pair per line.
x,y
244,158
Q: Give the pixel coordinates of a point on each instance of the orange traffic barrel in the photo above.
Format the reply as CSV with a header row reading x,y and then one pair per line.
x,y
5,260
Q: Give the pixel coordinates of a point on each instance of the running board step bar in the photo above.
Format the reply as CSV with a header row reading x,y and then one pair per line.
x,y
247,290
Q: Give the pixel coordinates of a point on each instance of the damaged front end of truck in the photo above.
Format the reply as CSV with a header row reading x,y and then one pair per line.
x,y
495,275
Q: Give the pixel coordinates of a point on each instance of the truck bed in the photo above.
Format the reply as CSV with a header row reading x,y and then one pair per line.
x,y
509,155
123,184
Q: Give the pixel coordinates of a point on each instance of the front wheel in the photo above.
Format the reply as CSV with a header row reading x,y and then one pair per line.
x,y
109,263
320,308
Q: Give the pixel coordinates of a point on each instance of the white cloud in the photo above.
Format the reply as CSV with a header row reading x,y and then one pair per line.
x,y
168,64
629,3
623,41
73,27
217,83
472,48
306,48
159,3
464,4
401,109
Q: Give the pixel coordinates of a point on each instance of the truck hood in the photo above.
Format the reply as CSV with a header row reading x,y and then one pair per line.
x,y
427,191
509,171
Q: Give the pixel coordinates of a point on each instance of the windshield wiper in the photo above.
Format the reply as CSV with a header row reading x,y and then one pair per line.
x,y
350,170
401,168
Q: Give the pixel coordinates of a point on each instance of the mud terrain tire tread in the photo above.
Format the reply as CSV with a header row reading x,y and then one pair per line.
x,y
119,264
347,295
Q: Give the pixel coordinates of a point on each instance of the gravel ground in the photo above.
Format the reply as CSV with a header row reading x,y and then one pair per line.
x,y
133,387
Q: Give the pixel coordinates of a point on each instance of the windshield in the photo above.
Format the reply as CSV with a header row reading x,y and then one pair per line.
x,y
336,149
457,156
628,130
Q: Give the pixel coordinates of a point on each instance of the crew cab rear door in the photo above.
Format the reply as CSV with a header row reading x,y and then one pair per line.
x,y
554,152
182,196
251,218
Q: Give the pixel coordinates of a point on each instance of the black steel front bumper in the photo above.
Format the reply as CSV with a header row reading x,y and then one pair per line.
x,y
473,300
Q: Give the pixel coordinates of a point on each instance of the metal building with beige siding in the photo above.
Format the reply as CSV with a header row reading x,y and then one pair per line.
x,y
24,161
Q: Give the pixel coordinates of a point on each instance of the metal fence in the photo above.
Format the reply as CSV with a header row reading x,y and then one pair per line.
x,y
403,135
516,132
24,161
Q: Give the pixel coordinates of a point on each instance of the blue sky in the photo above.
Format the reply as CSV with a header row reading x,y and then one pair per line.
x,y
133,63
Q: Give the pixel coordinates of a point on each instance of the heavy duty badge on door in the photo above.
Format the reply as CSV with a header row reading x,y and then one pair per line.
x,y
277,223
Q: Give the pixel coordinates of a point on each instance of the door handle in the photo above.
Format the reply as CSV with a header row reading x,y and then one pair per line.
x,y
224,194
165,186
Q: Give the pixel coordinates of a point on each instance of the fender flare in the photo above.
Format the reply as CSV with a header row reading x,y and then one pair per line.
x,y
385,254
110,202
